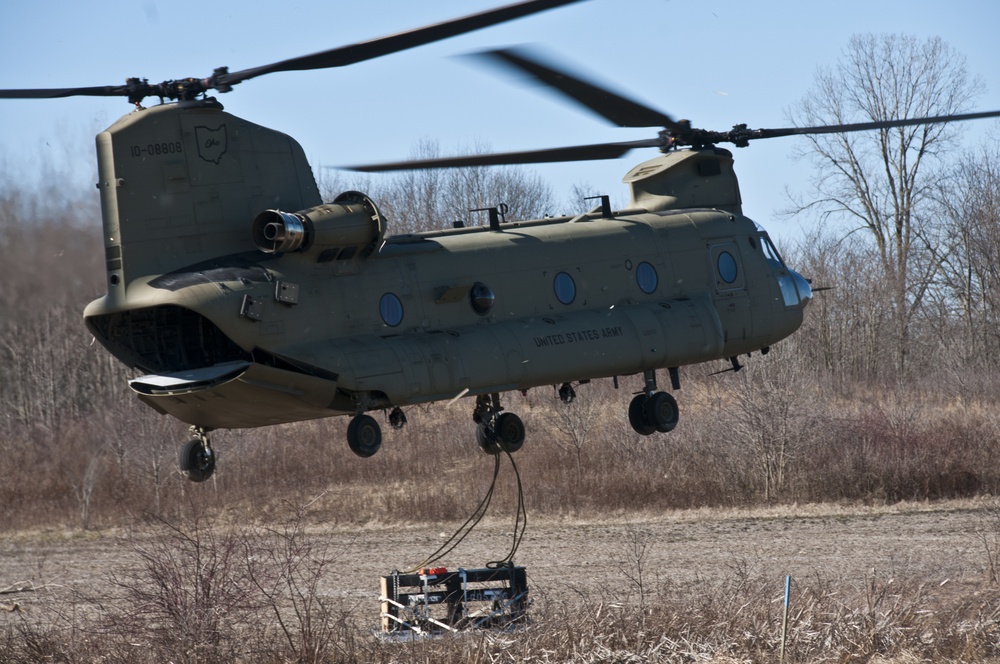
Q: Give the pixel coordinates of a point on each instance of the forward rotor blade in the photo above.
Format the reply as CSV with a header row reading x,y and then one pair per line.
x,y
223,80
867,126
53,93
613,107
353,53
574,153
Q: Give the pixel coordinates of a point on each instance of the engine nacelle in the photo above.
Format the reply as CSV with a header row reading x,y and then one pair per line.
x,y
350,227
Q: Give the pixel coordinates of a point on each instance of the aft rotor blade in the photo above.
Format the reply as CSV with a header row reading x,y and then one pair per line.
x,y
867,126
613,107
353,53
573,153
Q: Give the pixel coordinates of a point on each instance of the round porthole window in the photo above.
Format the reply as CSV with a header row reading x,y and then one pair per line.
x,y
565,288
391,309
645,276
727,267
481,298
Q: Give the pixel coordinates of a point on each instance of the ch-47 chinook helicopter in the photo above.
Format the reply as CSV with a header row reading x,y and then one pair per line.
x,y
246,301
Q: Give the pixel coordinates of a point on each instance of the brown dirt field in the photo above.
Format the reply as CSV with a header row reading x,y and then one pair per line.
x,y
569,560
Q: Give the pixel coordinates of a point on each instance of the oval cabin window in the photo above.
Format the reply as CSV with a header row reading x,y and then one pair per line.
x,y
391,309
565,288
727,267
645,276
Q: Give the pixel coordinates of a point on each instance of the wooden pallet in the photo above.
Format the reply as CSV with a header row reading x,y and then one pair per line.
x,y
437,600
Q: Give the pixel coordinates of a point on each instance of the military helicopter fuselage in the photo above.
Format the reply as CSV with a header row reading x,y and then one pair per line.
x,y
246,301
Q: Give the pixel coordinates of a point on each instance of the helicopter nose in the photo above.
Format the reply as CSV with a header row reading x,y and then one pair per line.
x,y
804,288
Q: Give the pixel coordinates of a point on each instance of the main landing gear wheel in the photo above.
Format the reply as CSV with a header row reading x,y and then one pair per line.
x,y
655,412
661,410
197,457
364,436
637,416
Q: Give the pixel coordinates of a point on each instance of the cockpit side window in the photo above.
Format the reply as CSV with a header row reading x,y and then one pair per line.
x,y
786,282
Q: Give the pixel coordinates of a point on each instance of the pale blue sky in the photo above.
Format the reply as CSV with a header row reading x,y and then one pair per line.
x,y
716,62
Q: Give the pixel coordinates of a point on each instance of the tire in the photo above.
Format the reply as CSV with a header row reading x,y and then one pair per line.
x,y
364,436
197,461
637,416
510,432
661,411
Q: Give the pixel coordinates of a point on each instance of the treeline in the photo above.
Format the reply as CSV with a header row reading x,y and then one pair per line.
x,y
952,325
908,216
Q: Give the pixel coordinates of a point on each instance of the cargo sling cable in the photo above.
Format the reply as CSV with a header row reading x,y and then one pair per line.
x,y
520,521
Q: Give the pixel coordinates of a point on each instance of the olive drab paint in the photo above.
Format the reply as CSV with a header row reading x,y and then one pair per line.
x,y
245,301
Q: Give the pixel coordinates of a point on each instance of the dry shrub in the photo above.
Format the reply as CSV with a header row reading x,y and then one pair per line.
x,y
205,590
733,619
734,447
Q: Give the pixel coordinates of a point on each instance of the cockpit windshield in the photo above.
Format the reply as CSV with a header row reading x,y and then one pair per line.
x,y
770,251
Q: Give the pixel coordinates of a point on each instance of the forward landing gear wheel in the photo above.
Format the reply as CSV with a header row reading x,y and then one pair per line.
x,y
655,412
661,411
197,460
637,416
364,436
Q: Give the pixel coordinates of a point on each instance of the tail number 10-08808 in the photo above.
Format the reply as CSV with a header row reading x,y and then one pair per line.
x,y
155,149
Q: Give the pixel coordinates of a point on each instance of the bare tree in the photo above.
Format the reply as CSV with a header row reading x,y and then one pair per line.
x,y
845,331
969,298
771,421
883,181
85,489
575,421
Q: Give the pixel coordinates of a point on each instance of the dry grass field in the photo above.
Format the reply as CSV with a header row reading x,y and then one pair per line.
x,y
907,583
